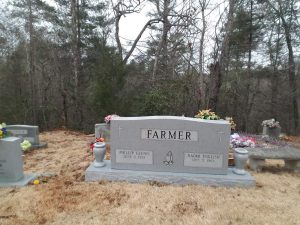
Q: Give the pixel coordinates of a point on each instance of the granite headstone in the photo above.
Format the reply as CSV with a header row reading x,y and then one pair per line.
x,y
166,143
169,149
11,163
27,132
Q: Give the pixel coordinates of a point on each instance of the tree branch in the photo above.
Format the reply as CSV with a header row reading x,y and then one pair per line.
x,y
149,23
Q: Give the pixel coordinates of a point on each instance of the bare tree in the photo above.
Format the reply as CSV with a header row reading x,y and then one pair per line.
x,y
121,9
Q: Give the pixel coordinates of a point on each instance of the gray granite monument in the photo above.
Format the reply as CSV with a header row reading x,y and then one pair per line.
x,y
27,132
11,164
169,149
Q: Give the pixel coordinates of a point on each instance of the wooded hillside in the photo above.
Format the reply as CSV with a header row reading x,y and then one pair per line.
x,y
64,63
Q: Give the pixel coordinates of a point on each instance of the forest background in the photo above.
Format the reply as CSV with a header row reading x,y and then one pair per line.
x,y
65,64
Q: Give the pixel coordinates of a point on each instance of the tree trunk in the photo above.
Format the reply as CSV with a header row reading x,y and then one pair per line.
x,y
293,112
217,70
76,50
248,107
33,102
292,80
275,77
201,59
163,43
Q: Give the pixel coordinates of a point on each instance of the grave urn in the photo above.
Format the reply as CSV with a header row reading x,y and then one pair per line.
x,y
272,132
99,153
240,159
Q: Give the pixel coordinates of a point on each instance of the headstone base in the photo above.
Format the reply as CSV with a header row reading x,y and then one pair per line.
x,y
20,183
40,145
229,180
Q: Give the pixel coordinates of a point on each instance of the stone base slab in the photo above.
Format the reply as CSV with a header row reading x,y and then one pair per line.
x,y
229,180
40,145
20,183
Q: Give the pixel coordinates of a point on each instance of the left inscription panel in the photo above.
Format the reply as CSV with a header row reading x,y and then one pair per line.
x,y
134,157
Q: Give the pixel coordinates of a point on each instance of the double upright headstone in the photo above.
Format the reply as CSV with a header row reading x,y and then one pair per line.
x,y
174,144
169,149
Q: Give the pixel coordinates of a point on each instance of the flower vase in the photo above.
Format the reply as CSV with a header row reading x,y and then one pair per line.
x,y
240,160
99,153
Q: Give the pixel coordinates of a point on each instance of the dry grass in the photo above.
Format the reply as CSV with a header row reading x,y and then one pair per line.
x,y
67,199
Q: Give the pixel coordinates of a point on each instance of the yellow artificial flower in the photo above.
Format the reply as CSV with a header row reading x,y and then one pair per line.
x,y
36,182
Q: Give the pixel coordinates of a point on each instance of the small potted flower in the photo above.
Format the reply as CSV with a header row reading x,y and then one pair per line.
x,y
271,128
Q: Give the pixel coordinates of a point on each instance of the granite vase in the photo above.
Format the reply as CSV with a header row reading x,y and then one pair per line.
x,y
240,159
99,154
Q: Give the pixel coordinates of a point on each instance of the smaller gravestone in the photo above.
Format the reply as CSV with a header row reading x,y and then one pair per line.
x,y
102,130
27,132
273,132
11,163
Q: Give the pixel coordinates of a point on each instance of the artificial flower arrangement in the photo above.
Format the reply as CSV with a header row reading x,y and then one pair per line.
x,y
97,140
3,132
207,114
271,123
232,123
25,145
109,118
237,141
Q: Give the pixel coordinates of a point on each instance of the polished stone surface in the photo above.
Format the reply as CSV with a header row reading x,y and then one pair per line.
x,y
170,144
11,161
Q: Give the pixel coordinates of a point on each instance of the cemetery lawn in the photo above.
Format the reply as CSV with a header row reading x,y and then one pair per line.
x,y
66,199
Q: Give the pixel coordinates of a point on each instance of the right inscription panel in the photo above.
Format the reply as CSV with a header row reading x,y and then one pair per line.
x,y
203,160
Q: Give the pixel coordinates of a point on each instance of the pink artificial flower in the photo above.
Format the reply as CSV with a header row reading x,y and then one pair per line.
x,y
108,118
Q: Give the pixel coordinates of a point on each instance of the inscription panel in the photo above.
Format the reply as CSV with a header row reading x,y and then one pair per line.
x,y
134,157
203,160
16,132
171,135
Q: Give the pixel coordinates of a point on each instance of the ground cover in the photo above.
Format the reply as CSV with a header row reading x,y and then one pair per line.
x,y
63,197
